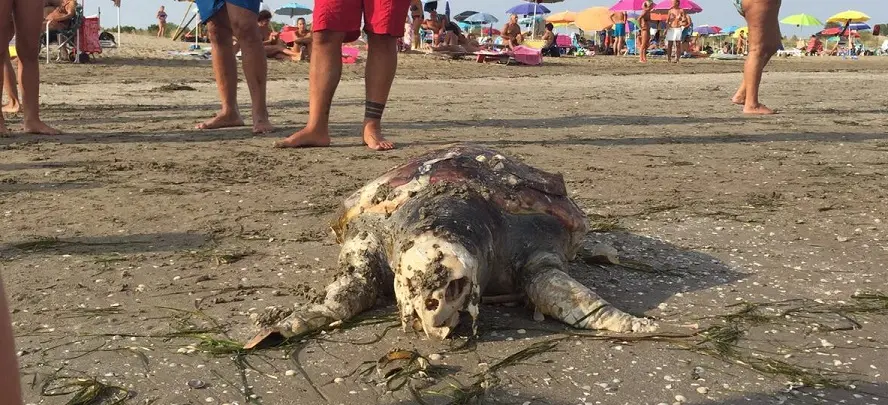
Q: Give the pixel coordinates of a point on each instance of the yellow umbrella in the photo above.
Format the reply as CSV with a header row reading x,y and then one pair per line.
x,y
594,19
744,30
850,15
563,17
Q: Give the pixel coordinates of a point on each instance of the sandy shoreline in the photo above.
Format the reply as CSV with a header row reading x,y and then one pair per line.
x,y
135,212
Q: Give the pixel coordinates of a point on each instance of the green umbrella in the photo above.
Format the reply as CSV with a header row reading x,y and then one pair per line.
x,y
806,20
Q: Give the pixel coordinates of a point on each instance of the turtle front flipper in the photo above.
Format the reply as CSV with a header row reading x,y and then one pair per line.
x,y
554,293
353,291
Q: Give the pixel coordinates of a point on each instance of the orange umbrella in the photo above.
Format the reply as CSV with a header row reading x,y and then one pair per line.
x,y
564,17
594,19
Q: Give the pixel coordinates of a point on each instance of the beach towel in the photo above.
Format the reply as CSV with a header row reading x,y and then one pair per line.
x,y
350,54
527,56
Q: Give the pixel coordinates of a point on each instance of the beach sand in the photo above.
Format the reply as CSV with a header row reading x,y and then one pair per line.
x,y
120,234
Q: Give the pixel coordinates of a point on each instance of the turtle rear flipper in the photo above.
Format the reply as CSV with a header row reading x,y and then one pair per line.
x,y
556,294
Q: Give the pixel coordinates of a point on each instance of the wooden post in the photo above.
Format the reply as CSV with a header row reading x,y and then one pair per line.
x,y
181,27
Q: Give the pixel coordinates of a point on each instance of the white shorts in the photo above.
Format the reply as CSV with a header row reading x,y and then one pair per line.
x,y
674,34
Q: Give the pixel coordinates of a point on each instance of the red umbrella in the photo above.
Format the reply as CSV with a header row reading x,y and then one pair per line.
x,y
687,5
490,31
836,31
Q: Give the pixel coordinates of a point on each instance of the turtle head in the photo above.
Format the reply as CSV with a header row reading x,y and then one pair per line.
x,y
434,281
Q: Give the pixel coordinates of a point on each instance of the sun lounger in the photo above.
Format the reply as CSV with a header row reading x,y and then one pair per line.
x,y
493,56
527,55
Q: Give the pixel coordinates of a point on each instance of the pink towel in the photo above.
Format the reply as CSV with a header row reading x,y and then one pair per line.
x,y
349,54
528,56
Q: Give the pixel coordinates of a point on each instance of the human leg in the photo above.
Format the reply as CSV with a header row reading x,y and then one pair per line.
x,y
225,71
10,86
762,43
335,22
5,34
324,72
243,23
28,23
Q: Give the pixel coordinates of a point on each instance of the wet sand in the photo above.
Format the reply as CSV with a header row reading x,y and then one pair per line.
x,y
132,236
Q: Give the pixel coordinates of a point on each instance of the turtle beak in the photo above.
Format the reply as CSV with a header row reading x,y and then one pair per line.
x,y
439,311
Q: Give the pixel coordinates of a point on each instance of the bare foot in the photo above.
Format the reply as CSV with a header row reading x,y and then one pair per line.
x,y
262,127
222,121
38,127
759,109
373,137
12,108
305,138
738,100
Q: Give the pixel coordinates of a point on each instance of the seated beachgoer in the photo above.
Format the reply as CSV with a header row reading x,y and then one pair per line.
x,y
274,47
434,24
814,46
511,33
302,45
550,47
60,17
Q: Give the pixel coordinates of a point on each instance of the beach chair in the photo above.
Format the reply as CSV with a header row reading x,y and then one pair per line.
x,y
564,43
66,40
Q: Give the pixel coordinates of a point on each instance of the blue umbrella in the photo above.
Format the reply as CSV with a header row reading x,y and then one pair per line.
x,y
859,26
478,18
293,9
528,9
731,29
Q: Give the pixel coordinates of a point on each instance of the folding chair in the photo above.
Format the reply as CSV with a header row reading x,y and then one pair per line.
x,y
68,39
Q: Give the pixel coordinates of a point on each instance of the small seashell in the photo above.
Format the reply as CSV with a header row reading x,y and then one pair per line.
x,y
290,372
198,384
702,390
435,357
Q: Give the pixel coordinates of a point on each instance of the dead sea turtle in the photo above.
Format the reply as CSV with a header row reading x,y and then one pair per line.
x,y
449,226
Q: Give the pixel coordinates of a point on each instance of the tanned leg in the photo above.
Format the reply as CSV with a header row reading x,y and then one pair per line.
x,y
225,70
28,23
762,43
10,87
382,62
243,22
5,34
325,70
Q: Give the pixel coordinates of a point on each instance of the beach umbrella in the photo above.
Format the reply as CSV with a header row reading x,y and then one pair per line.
x,y
628,5
564,17
835,31
447,9
802,20
744,30
292,10
528,9
461,16
594,19
687,5
707,30
488,31
859,27
848,17
479,18
730,30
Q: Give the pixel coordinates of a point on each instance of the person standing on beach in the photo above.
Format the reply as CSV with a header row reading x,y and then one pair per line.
x,y
226,20
674,33
620,19
337,22
762,43
644,24
417,16
161,22
24,19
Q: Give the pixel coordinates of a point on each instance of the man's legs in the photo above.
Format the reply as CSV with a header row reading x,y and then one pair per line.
x,y
225,69
762,43
28,23
243,21
324,72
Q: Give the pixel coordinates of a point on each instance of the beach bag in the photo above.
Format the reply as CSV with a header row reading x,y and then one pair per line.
x,y
349,54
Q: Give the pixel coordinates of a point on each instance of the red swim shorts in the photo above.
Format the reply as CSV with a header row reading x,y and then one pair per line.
x,y
383,17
